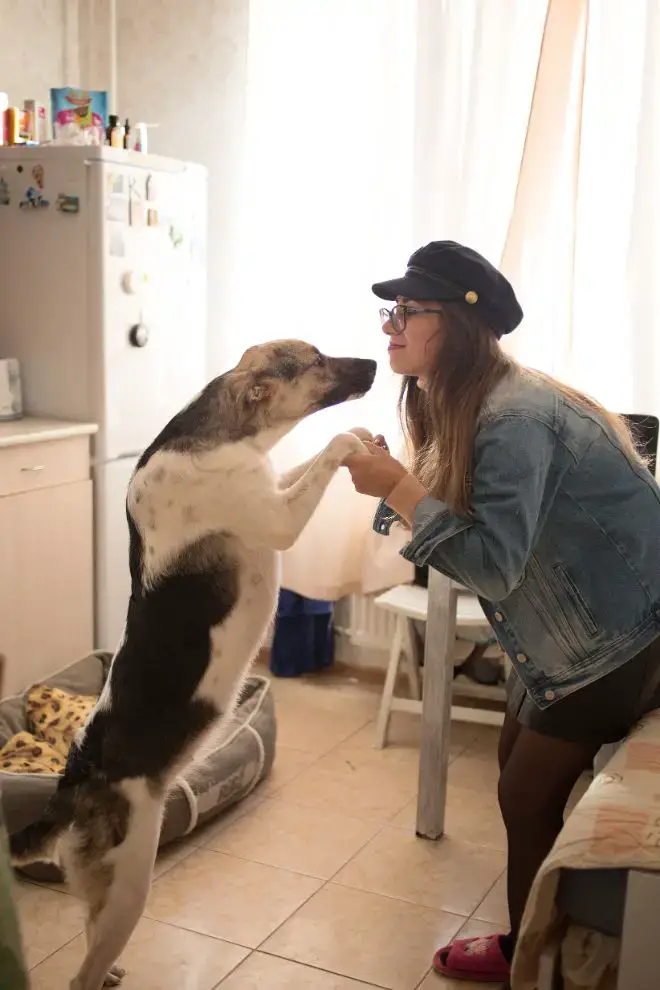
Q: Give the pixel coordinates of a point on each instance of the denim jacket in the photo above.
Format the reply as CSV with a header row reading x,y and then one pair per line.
x,y
563,544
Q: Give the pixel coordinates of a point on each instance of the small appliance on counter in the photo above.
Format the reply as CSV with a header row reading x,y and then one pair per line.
x,y
11,400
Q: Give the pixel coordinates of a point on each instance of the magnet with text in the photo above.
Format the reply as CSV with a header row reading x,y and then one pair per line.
x,y
5,197
33,200
67,204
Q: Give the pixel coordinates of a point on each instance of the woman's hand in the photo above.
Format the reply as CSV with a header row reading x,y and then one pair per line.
x,y
367,437
375,472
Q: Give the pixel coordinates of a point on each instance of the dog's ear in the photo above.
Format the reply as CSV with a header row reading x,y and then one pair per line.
x,y
259,392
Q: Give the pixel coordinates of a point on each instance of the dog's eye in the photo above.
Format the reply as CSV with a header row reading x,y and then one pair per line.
x,y
318,361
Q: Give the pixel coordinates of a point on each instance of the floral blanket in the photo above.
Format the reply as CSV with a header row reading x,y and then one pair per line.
x,y
615,825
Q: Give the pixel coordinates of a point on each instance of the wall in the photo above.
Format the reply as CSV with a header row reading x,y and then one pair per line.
x,y
38,47
187,72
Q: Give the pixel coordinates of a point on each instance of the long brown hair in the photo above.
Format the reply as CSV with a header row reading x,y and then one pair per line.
x,y
440,421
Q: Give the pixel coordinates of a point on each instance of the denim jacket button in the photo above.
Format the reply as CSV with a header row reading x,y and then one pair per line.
x,y
498,617
521,658
549,695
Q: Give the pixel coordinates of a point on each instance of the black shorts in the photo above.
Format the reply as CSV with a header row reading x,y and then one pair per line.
x,y
602,712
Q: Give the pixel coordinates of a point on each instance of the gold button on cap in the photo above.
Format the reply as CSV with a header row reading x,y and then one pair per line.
x,y
498,617
549,695
471,297
521,658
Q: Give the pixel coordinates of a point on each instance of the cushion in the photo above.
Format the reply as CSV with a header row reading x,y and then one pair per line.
x,y
227,775
25,753
55,716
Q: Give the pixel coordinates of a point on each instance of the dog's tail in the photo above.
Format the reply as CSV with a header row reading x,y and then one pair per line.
x,y
36,842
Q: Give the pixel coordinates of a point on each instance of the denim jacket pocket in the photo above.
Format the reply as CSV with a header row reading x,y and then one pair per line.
x,y
555,614
571,590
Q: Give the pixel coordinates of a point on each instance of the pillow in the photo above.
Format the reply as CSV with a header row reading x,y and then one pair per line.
x,y
24,753
55,716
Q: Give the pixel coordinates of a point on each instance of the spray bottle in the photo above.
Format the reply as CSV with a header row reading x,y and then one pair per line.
x,y
142,137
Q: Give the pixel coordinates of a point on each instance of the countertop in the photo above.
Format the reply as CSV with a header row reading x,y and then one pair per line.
x,y
37,429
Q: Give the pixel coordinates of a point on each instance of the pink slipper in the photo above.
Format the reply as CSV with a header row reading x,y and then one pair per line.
x,y
477,959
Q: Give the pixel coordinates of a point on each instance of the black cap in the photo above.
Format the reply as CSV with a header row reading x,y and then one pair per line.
x,y
450,272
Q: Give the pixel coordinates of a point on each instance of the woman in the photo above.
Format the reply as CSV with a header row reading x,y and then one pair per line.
x,y
534,497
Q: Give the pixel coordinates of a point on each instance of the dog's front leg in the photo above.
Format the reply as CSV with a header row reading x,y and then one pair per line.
x,y
294,474
294,505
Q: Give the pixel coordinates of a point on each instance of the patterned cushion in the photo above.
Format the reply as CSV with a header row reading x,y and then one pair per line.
x,y
55,716
24,753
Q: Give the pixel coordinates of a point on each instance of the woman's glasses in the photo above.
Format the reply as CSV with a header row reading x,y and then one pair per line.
x,y
397,317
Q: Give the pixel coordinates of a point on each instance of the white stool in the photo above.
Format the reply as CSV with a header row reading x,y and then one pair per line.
x,y
409,603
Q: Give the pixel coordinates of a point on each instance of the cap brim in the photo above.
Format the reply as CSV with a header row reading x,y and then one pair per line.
x,y
412,287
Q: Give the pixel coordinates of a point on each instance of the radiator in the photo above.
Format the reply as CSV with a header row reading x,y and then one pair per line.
x,y
364,623
368,627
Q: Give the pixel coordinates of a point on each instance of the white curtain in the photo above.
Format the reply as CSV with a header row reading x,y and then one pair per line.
x,y
372,127
528,129
584,241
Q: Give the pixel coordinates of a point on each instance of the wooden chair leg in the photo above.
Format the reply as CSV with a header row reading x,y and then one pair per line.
x,y
413,660
384,712
436,706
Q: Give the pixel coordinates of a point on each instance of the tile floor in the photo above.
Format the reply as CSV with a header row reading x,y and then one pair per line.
x,y
317,881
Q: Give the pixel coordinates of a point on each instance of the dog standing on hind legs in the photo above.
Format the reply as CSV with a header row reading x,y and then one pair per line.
x,y
206,517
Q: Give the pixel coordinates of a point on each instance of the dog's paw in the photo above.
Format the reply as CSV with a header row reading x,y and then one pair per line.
x,y
362,434
345,444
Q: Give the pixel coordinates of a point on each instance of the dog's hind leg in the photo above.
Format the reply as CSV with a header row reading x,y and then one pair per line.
x,y
117,887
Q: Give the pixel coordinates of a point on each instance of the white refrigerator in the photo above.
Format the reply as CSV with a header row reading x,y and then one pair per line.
x,y
103,302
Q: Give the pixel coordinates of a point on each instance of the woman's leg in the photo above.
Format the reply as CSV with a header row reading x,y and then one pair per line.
x,y
537,778
508,735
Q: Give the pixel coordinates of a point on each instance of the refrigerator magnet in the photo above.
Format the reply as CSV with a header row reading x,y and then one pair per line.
x,y
176,236
116,184
117,209
38,175
5,197
150,189
152,218
67,204
136,209
33,200
117,244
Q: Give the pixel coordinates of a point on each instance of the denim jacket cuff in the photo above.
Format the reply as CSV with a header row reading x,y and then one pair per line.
x,y
433,524
384,518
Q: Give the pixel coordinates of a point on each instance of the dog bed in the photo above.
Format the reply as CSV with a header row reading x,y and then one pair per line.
x,y
228,775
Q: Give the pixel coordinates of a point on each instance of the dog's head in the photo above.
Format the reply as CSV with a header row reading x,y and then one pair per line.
x,y
271,389
281,382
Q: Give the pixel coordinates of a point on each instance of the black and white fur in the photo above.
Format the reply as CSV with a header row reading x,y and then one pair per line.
x,y
206,515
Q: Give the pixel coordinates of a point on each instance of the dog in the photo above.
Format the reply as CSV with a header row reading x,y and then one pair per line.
x,y
207,516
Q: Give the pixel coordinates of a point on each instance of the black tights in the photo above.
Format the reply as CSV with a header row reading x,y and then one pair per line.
x,y
537,775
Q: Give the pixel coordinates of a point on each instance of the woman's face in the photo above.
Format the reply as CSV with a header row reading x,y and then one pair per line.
x,y
413,350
